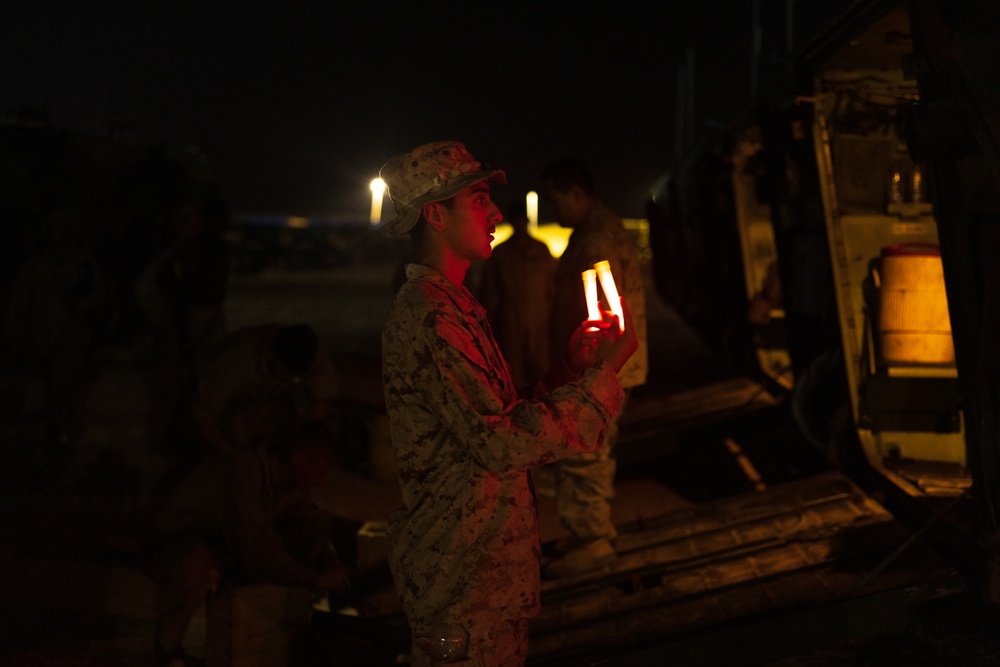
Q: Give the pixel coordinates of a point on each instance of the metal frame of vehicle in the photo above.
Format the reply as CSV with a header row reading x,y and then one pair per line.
x,y
901,89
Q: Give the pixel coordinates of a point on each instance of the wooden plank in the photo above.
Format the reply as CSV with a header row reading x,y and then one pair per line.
x,y
645,416
824,504
760,636
804,544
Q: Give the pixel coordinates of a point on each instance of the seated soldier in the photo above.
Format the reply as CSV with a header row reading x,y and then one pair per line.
x,y
260,380
245,516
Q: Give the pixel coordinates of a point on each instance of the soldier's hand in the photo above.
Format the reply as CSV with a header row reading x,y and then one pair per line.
x,y
581,353
336,579
616,346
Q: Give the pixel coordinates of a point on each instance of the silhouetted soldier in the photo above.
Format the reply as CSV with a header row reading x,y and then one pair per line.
x,y
54,315
517,290
245,516
585,482
259,381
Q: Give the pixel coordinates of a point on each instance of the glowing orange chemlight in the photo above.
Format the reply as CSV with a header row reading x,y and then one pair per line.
x,y
378,188
611,291
590,289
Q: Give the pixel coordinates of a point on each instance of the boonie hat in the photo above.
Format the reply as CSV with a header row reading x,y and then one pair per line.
x,y
430,173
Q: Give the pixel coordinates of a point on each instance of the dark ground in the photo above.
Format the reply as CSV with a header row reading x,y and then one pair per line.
x,y
73,596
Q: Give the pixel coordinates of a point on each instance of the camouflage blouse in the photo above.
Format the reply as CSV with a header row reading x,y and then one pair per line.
x,y
466,540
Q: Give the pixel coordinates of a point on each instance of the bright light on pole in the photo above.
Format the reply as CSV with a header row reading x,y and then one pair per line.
x,y
378,190
531,204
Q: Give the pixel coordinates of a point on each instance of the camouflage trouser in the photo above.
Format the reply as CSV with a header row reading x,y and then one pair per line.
x,y
493,640
585,486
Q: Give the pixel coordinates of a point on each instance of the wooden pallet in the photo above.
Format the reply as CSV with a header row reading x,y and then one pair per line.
x,y
647,415
805,545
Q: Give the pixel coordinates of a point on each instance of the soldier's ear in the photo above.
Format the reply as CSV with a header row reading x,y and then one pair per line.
x,y
433,214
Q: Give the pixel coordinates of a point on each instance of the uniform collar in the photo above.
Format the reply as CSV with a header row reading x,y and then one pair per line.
x,y
461,296
597,216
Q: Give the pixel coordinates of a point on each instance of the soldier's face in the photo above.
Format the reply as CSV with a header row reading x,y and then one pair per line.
x,y
470,222
282,377
567,207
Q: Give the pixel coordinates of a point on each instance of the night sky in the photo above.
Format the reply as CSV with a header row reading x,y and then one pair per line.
x,y
298,104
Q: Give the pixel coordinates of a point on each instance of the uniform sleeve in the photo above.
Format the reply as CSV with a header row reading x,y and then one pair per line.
x,y
520,433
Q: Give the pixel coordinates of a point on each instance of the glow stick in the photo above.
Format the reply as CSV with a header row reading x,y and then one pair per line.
x,y
611,291
590,289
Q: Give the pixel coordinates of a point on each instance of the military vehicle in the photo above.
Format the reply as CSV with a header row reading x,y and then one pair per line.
x,y
835,243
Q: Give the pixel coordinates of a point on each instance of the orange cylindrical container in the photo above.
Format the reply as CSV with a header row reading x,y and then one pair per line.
x,y
914,326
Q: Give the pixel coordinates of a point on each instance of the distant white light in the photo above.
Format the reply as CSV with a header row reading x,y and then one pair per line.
x,y
378,191
531,204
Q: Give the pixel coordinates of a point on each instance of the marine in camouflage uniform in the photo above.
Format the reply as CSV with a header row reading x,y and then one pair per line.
x,y
57,308
584,484
246,391
517,289
464,548
245,516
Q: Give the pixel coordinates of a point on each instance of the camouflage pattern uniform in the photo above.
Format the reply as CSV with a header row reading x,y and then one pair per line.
x,y
253,524
236,390
464,549
517,290
228,520
585,483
